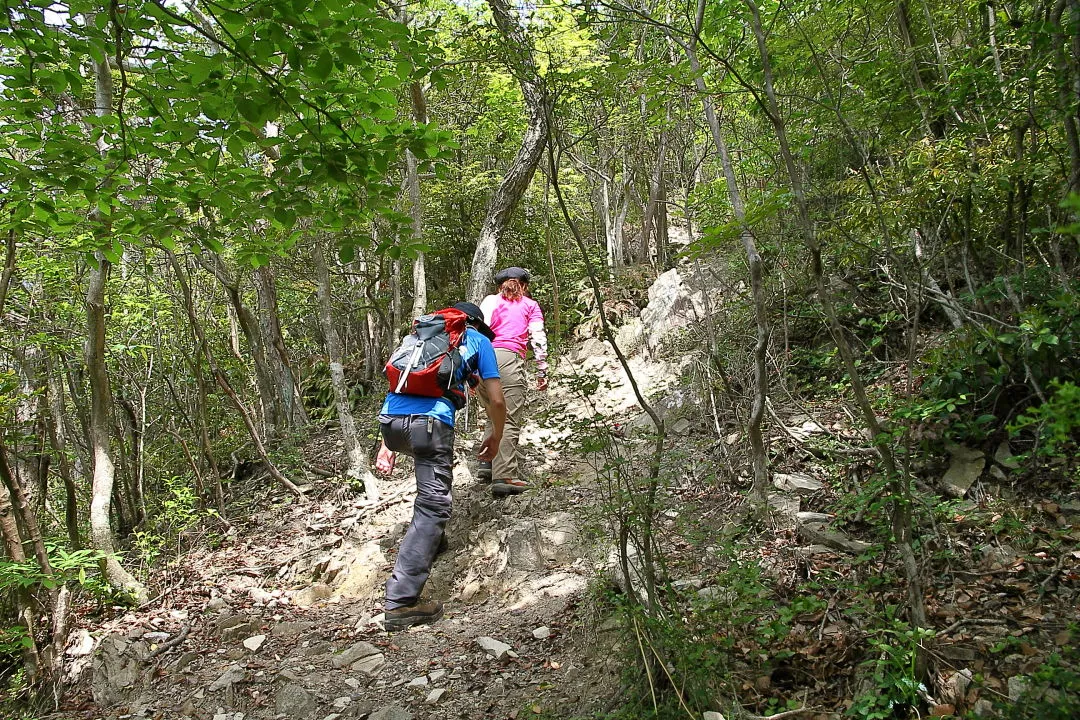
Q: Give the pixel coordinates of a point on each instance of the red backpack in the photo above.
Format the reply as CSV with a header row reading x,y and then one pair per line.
x,y
428,361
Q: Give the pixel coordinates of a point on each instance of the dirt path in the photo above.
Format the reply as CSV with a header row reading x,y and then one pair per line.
x,y
280,617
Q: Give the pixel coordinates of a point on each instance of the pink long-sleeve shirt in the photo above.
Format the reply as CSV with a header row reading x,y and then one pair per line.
x,y
517,324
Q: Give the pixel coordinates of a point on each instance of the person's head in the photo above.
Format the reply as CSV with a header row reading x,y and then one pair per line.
x,y
474,317
513,282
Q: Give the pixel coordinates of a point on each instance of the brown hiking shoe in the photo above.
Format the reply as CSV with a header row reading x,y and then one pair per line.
x,y
419,613
508,486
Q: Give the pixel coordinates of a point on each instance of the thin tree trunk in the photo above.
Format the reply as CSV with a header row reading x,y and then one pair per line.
x,y
272,414
753,259
58,439
222,380
518,176
284,378
100,400
359,465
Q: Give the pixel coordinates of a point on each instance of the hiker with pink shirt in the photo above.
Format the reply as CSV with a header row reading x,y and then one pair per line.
x,y
518,322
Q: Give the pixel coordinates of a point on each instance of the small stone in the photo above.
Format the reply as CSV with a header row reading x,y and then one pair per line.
x,y
295,702
542,633
421,681
354,652
342,702
1017,686
231,676
964,469
353,683
156,637
799,483
369,665
259,595
436,675
434,696
81,644
185,660
493,647
216,604
810,517
254,642
391,712
716,593
710,715
309,596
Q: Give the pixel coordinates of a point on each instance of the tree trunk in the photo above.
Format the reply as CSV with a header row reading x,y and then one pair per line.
x,y
359,466
58,440
285,381
753,259
518,176
272,413
100,400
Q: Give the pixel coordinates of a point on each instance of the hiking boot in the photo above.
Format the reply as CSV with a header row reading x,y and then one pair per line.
x,y
483,472
419,613
508,486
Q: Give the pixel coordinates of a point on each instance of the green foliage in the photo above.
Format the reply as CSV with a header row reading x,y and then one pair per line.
x,y
895,650
1056,423
173,512
1053,689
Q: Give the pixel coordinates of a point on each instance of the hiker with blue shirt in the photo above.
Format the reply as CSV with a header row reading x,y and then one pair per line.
x,y
423,427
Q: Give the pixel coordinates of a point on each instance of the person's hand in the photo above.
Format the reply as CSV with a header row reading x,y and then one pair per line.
x,y
384,461
489,449
541,382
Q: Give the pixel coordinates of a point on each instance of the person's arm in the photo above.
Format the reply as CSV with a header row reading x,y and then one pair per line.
x,y
538,342
496,410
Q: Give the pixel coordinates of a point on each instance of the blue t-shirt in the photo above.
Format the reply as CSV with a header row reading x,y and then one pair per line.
x,y
477,355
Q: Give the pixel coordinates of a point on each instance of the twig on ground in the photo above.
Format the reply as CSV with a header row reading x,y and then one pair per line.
x,y
169,645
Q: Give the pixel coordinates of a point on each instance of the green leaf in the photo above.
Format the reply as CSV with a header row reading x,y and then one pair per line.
x,y
250,110
324,65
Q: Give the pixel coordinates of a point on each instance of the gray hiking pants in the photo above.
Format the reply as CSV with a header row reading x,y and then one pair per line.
x,y
515,392
431,444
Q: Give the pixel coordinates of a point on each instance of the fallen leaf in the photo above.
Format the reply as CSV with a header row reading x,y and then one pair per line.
x,y
942,711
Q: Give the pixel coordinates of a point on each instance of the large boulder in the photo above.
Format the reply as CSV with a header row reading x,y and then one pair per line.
x,y
117,666
671,306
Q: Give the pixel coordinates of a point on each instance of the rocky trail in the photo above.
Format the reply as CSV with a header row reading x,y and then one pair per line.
x,y
279,617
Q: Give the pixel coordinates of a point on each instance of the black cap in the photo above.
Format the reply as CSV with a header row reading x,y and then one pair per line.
x,y
512,273
476,318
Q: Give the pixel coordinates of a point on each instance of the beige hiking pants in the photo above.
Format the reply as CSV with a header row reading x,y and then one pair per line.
x,y
512,375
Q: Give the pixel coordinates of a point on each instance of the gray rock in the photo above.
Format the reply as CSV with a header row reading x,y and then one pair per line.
x,y
291,629
254,642
965,468
421,681
232,675
671,306
1004,457
819,534
294,701
259,595
542,633
434,696
391,712
493,647
311,595
184,660
799,483
240,631
813,517
710,715
354,652
1018,685
216,604
116,669
784,505
436,675
369,664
